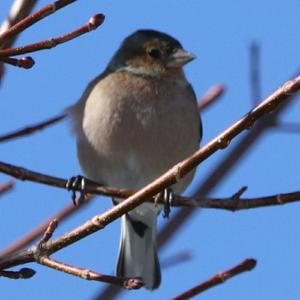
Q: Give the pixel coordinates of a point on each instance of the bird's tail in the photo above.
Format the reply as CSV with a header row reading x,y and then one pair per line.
x,y
137,254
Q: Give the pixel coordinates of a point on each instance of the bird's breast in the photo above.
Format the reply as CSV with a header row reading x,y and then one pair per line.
x,y
138,128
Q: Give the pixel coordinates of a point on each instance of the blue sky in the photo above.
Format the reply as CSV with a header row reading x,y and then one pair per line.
x,y
219,33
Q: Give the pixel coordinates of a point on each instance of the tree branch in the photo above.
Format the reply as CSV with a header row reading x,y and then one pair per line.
x,y
247,265
92,24
32,19
24,62
211,96
229,203
31,129
19,10
127,283
6,187
41,254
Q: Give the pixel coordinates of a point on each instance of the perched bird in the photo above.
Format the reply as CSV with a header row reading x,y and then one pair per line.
x,y
133,122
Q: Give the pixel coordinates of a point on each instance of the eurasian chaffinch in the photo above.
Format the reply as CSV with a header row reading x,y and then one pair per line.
x,y
133,122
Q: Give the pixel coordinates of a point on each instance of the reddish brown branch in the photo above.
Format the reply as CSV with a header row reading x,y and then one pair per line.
x,y
92,24
32,19
19,10
128,283
31,129
40,254
49,232
6,187
247,265
91,187
24,62
211,96
235,204
232,203
99,222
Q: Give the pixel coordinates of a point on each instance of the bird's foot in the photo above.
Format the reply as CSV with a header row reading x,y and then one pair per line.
x,y
168,196
74,184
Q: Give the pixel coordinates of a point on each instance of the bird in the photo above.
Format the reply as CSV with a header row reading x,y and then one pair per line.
x,y
134,121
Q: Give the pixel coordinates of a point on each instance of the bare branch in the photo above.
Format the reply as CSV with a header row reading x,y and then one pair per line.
x,y
19,10
31,129
246,203
247,265
127,283
211,96
6,187
232,203
40,254
91,187
32,19
49,232
24,62
92,24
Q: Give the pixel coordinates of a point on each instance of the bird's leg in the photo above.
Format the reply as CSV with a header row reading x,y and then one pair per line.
x,y
168,196
77,183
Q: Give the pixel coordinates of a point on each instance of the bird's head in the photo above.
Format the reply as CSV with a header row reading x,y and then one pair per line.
x,y
149,52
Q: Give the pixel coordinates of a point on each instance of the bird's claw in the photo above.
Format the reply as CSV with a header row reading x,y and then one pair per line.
x,y
74,184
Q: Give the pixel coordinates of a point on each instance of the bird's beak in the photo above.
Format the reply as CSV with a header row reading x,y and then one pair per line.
x,y
179,58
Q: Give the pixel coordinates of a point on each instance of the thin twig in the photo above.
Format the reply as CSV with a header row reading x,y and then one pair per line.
x,y
247,203
99,222
211,96
32,19
247,265
90,187
127,283
92,24
6,187
230,203
41,254
31,129
19,10
24,62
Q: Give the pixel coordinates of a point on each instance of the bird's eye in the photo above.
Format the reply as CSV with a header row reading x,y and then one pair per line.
x,y
154,53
